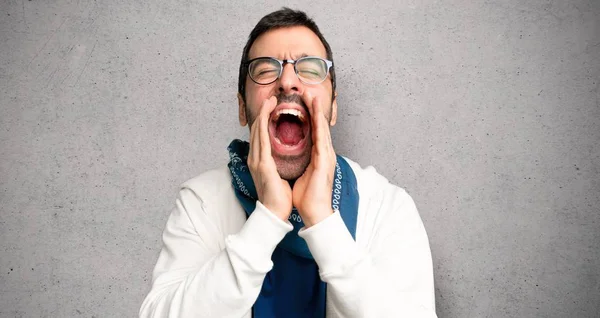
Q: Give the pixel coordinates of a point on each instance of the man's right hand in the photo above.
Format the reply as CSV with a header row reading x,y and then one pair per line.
x,y
274,192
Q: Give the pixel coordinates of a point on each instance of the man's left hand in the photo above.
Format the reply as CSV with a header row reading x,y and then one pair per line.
x,y
311,194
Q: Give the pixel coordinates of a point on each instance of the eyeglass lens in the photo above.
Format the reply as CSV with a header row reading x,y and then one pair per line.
x,y
309,70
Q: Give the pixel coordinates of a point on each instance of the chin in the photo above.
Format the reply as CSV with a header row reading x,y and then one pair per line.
x,y
292,168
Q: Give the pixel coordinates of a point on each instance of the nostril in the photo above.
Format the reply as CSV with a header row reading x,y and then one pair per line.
x,y
284,90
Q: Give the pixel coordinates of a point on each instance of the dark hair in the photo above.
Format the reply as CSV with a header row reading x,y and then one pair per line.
x,y
283,18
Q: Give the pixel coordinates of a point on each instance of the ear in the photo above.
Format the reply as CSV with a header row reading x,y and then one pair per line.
x,y
333,110
242,110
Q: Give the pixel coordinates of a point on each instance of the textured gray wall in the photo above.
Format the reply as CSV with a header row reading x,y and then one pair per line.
x,y
487,112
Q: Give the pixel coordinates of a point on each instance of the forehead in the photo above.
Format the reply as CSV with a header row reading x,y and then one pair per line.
x,y
287,43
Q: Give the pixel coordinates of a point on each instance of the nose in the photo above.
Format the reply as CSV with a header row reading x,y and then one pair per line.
x,y
289,82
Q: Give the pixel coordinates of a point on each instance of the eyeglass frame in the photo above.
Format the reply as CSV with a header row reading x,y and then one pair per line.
x,y
282,63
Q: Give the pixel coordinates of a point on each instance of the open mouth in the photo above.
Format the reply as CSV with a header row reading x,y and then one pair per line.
x,y
289,127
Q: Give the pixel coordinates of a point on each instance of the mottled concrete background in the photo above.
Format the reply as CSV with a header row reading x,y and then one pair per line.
x,y
487,112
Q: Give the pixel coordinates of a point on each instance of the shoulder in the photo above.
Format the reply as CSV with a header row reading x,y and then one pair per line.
x,y
371,183
210,202
380,200
385,210
212,184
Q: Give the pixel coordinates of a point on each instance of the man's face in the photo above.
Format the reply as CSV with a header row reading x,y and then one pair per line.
x,y
290,136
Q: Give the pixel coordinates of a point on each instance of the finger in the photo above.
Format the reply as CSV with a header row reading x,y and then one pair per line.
x,y
327,127
319,129
254,145
263,137
263,134
321,133
323,141
324,126
308,99
314,108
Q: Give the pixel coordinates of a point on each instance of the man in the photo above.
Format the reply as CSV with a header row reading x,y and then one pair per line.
x,y
288,228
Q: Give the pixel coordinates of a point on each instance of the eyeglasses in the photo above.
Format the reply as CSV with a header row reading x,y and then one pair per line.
x,y
309,69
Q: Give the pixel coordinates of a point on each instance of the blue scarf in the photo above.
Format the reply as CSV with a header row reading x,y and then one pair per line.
x,y
293,287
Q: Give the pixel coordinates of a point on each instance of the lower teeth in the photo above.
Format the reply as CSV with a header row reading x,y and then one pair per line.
x,y
287,145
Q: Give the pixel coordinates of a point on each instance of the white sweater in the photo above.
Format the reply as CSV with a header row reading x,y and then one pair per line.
x,y
214,258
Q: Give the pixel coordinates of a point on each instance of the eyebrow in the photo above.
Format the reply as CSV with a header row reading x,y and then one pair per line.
x,y
301,56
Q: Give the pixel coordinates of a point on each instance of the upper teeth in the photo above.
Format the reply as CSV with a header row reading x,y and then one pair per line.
x,y
291,111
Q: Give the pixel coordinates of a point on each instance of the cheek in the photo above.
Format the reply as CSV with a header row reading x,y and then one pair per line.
x,y
325,96
324,93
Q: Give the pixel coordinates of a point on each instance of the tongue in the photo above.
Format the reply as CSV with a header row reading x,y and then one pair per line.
x,y
290,133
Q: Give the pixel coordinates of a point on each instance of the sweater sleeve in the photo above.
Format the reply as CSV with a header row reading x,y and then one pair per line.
x,y
390,275
200,274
